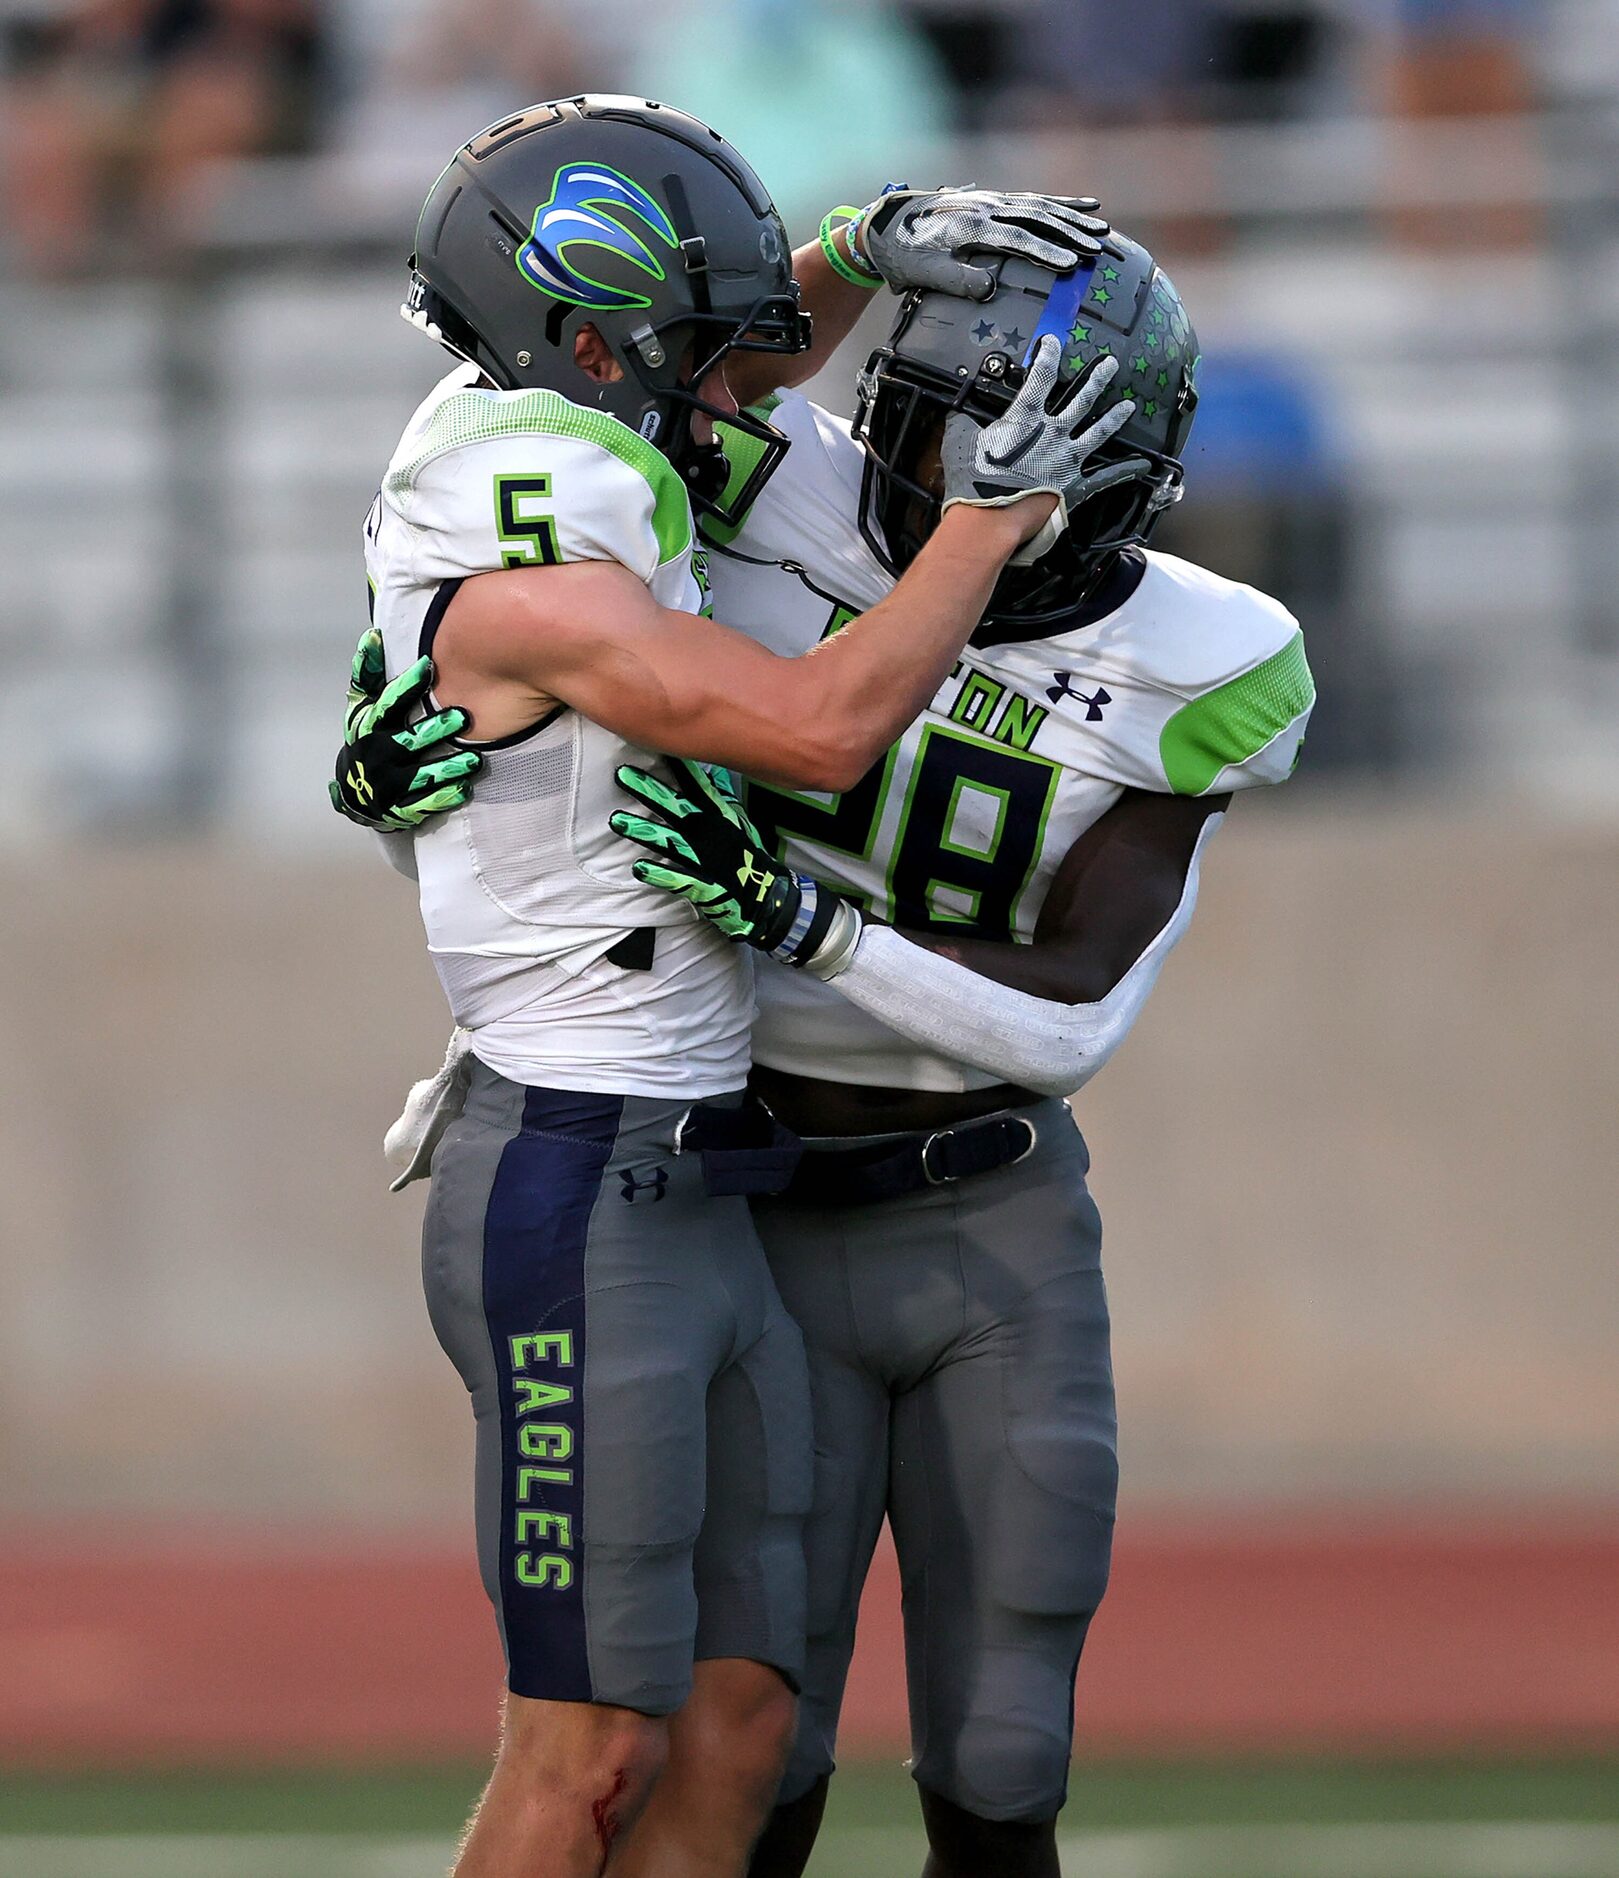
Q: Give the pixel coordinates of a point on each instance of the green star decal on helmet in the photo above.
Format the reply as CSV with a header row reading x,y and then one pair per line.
x,y
1079,332
1110,273
1139,363
1101,296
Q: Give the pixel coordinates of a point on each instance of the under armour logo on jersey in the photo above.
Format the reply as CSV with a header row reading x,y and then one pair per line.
x,y
363,791
1093,704
634,1188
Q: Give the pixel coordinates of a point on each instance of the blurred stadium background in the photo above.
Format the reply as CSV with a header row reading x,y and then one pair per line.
x,y
1358,1167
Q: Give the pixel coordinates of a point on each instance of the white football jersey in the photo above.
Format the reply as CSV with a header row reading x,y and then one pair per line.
x,y
1190,684
526,891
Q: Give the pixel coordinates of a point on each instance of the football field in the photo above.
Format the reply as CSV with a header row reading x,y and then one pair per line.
x,y
1298,1820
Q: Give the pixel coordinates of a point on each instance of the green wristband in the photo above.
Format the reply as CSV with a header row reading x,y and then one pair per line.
x,y
859,277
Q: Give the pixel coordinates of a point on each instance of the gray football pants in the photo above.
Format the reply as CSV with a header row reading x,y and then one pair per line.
x,y
962,1385
643,1443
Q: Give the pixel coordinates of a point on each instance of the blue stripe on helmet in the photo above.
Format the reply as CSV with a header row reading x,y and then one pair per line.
x,y
1062,306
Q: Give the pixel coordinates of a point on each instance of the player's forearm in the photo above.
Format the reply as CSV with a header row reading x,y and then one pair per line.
x,y
1093,952
1111,895
834,304
867,683
1051,1043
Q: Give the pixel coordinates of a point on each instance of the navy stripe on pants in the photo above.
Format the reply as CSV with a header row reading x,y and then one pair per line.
x,y
535,1232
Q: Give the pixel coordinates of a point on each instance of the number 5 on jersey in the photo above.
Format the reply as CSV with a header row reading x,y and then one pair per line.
x,y
527,537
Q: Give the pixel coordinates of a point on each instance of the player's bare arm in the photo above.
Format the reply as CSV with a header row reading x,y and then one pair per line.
x,y
515,644
1115,890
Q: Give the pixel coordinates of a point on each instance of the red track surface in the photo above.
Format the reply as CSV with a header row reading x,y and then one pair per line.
x,y
1285,1636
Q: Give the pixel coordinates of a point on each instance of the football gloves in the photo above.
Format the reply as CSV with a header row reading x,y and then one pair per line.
x,y
1035,448
382,779
709,853
915,238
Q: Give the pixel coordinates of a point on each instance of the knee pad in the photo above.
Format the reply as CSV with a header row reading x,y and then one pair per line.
x,y
1008,1766
1003,1753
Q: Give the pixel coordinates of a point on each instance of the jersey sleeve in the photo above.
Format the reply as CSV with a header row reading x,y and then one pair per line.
x,y
1244,732
528,479
1202,687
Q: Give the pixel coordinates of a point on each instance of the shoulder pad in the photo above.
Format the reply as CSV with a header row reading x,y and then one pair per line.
x,y
510,479
1247,730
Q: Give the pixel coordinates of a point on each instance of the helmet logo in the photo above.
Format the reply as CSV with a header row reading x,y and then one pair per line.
x,y
578,216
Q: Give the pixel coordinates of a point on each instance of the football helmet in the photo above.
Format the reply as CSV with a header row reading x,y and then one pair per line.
x,y
632,217
947,354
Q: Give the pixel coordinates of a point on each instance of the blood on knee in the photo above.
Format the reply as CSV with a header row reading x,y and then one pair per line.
x,y
604,1811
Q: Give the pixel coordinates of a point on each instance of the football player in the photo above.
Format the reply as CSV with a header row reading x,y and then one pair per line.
x,y
1010,876
641,1408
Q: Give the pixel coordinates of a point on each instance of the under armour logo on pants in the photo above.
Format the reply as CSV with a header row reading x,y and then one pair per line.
x,y
634,1188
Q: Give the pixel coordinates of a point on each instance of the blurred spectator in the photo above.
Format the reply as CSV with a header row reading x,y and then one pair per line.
x,y
977,45
113,105
1272,59
1465,59
425,75
1097,62
827,99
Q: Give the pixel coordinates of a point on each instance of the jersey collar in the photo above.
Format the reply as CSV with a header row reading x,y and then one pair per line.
x,y
1117,585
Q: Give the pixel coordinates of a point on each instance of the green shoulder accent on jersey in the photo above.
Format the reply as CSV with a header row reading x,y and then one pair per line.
x,y
1236,720
467,417
742,453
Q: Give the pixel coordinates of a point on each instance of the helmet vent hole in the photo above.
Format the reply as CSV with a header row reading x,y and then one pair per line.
x,y
491,140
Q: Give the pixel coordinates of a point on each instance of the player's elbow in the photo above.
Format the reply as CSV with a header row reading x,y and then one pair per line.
x,y
840,769
823,760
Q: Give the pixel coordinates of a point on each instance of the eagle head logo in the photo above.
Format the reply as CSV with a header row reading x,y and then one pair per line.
x,y
580,214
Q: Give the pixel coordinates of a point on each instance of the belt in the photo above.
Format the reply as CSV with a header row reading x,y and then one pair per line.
x,y
743,1150
885,1170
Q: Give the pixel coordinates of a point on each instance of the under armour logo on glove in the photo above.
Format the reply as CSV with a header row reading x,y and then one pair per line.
x,y
634,1188
1093,704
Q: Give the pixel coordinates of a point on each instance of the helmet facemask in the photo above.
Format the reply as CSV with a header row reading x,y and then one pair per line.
x,y
671,361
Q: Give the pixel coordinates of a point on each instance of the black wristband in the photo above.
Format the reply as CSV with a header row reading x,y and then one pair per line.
x,y
812,909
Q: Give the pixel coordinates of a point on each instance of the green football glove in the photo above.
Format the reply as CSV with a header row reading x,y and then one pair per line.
x,y
382,781
710,854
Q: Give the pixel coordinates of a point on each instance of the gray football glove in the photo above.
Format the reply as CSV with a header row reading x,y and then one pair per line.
x,y
914,237
1033,448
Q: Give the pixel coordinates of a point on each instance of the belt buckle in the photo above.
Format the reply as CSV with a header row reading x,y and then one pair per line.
x,y
933,1179
1034,1141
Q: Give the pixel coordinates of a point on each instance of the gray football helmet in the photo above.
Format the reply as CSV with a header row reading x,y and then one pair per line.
x,y
947,354
635,218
